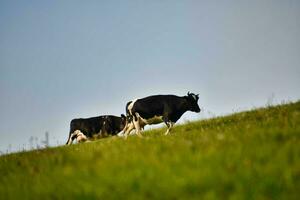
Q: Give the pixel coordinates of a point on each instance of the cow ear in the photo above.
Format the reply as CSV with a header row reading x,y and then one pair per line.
x,y
197,95
188,93
123,116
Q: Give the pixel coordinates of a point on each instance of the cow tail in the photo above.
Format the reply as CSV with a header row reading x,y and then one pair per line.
x,y
68,139
127,111
70,133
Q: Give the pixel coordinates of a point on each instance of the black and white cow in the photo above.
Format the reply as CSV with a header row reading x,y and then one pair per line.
x,y
157,109
83,129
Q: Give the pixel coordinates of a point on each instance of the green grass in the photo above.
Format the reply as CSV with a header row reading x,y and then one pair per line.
x,y
248,155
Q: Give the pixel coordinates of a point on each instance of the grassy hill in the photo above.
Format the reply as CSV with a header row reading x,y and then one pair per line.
x,y
248,155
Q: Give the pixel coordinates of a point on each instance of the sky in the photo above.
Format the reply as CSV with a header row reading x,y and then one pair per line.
x,y
61,60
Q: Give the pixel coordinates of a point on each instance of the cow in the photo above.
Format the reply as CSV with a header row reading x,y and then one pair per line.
x,y
94,127
157,109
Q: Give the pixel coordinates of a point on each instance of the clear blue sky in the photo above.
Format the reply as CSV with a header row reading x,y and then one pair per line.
x,y
61,60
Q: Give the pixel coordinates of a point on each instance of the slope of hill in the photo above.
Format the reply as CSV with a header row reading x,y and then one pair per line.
x,y
248,155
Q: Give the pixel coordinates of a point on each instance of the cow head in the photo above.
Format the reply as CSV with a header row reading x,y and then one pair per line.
x,y
192,100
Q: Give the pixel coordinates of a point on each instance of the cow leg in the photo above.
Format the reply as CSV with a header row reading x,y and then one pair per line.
x,y
78,135
126,127
81,137
137,128
170,126
124,130
69,140
129,128
136,123
72,136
